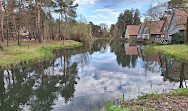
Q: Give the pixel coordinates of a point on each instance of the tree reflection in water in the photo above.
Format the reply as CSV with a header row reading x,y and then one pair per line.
x,y
37,86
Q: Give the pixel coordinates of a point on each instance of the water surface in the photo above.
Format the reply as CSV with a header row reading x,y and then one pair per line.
x,y
86,78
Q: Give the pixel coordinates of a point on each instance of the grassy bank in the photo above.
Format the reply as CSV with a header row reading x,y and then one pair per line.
x,y
175,100
178,52
16,54
105,38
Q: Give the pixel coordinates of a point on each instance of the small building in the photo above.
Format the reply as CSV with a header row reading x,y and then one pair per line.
x,y
132,31
177,23
152,30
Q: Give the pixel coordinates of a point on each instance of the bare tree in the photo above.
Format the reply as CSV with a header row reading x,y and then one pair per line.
x,y
157,11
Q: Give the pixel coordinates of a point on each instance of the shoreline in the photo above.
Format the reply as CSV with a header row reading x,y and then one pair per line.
x,y
174,100
14,55
177,52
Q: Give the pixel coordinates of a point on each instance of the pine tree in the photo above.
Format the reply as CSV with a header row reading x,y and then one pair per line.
x,y
136,17
66,9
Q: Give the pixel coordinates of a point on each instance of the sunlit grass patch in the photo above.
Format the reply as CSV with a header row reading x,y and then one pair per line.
x,y
16,54
178,52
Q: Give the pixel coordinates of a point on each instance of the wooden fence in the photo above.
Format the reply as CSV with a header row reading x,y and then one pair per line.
x,y
163,41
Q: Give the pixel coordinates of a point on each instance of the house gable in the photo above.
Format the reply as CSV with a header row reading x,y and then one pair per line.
x,y
178,22
146,32
173,27
164,30
164,26
140,30
146,28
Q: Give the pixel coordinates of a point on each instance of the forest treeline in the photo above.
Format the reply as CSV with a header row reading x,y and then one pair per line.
x,y
32,19
42,20
128,17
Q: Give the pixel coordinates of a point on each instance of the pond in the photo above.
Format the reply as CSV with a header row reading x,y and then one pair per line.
x,y
86,78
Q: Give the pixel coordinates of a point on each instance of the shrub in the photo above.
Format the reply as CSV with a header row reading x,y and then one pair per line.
x,y
179,37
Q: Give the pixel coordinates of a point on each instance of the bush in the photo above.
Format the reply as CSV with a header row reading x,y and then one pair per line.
x,y
179,37
79,32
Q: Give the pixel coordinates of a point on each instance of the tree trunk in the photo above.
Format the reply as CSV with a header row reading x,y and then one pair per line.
x,y
2,31
19,27
7,32
42,28
186,34
51,29
48,32
50,26
60,26
38,21
7,25
66,26
15,28
53,37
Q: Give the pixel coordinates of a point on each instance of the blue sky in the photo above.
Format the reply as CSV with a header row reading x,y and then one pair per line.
x,y
107,11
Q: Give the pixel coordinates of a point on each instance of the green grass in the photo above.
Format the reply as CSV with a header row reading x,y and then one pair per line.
x,y
104,38
127,106
174,93
178,52
17,54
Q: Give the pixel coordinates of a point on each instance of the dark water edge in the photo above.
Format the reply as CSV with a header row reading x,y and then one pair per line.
x,y
86,78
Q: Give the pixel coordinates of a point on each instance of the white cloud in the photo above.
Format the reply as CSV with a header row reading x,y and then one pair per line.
x,y
110,11
105,15
104,10
99,16
85,2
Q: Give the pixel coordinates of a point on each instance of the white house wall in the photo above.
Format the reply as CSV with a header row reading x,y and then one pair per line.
x,y
127,34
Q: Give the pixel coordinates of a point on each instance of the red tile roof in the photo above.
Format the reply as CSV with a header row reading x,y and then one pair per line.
x,y
156,26
132,50
181,17
133,29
